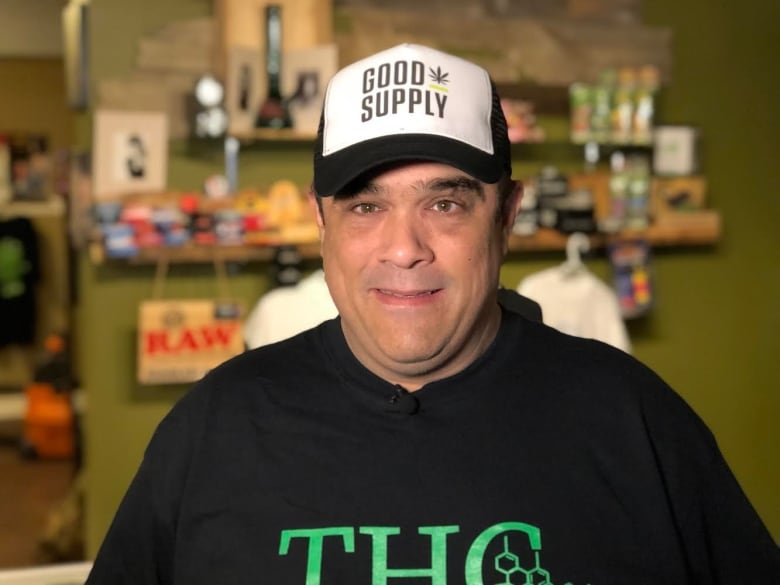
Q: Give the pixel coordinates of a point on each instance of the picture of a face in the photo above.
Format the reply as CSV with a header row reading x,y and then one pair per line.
x,y
245,88
135,157
130,163
130,153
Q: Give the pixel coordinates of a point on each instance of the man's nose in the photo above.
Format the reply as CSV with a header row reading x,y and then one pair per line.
x,y
405,241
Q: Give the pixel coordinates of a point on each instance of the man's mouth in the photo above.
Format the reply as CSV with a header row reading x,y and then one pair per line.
x,y
407,294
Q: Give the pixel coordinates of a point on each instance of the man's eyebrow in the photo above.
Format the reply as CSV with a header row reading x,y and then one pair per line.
x,y
459,183
456,183
360,188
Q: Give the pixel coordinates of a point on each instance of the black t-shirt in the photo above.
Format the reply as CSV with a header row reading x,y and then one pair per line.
x,y
19,273
551,459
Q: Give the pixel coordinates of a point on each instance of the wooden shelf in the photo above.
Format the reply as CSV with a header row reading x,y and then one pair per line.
x,y
201,254
547,99
677,230
544,240
658,235
53,206
274,135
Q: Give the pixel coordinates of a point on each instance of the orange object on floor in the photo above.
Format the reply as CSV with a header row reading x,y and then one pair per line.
x,y
49,430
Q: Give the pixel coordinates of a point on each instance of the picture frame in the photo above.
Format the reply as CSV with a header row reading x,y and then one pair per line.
x,y
671,195
675,150
245,88
130,153
305,75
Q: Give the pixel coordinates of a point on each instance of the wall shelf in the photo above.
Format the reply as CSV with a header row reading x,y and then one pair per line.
x,y
658,235
678,234
273,135
200,254
549,100
53,206
702,228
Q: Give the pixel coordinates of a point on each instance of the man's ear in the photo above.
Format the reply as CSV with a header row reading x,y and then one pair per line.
x,y
511,208
316,206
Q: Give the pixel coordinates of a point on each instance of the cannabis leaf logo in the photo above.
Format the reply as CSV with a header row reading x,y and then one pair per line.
x,y
438,76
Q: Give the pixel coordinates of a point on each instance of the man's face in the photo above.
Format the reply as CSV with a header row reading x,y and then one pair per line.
x,y
412,262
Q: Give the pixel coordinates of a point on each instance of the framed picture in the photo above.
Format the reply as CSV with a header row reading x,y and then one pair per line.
x,y
675,150
305,75
130,153
75,38
678,194
245,88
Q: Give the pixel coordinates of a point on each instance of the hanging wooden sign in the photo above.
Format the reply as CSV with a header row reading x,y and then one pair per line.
x,y
179,341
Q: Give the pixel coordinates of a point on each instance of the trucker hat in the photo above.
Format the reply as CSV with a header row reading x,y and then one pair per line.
x,y
409,102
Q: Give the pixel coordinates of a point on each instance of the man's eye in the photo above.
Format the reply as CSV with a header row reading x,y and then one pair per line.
x,y
365,208
445,206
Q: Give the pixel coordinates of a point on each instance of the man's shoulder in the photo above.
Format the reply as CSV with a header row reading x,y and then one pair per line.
x,y
293,356
550,344
517,303
257,380
589,365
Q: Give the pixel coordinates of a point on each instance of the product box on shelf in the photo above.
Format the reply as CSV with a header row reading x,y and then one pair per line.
x,y
276,216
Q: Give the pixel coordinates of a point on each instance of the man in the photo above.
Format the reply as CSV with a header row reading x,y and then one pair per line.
x,y
426,435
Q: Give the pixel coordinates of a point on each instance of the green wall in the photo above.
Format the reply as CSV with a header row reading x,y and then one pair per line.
x,y
713,334
716,334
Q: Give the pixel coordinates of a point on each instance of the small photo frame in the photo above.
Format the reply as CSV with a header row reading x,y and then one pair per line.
x,y
245,88
130,153
675,150
305,75
678,194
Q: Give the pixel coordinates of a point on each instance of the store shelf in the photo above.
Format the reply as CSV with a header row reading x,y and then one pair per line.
x,y
274,135
547,99
659,235
201,254
53,206
677,234
14,404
